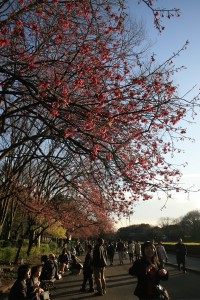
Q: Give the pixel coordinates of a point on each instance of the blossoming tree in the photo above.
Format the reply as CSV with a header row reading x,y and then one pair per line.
x,y
77,94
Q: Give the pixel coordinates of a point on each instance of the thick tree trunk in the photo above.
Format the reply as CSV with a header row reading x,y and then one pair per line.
x,y
31,242
18,251
7,229
3,212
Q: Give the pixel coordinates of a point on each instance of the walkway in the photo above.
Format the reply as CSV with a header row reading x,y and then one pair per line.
x,y
192,263
120,285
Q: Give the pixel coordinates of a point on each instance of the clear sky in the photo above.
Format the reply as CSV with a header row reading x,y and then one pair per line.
x,y
177,31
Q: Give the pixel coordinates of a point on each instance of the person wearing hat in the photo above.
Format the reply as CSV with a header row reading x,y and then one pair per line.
x,y
148,272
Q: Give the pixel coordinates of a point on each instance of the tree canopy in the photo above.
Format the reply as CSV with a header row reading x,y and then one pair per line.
x,y
84,117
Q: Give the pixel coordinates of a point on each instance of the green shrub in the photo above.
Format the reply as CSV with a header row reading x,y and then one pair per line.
x,y
7,254
53,247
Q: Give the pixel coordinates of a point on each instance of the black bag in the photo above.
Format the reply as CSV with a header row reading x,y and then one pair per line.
x,y
161,293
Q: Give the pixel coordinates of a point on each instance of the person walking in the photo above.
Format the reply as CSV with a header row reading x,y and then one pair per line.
x,y
110,252
181,253
137,250
131,249
88,271
120,249
148,272
99,264
162,255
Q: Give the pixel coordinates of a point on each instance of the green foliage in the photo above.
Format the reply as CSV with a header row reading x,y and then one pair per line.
x,y
7,254
37,252
53,247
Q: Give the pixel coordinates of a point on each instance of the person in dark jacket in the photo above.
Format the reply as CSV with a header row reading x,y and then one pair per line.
x,y
52,258
88,271
63,261
148,272
121,250
99,263
181,253
33,284
19,289
48,268
110,252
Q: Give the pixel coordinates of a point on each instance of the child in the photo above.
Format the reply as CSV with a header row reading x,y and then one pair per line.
x,y
88,271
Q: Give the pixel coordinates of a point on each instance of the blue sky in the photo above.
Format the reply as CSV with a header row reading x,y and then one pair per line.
x,y
177,31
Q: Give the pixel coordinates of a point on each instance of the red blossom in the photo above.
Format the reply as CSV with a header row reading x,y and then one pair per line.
x,y
89,103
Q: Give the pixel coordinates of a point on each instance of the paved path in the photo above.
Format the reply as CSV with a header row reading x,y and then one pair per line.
x,y
192,263
120,285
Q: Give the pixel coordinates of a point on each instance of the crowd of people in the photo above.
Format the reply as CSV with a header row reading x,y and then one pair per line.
x,y
33,282
147,259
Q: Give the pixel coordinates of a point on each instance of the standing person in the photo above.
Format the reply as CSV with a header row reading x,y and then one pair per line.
x,y
120,249
162,255
19,289
88,271
137,250
130,251
148,272
77,248
111,252
99,263
181,253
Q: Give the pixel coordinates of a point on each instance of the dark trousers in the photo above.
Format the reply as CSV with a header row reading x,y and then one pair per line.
x,y
89,278
111,257
131,257
181,261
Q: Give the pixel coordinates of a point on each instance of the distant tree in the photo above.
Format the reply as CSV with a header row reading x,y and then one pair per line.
x,y
139,232
170,228
173,232
191,225
163,222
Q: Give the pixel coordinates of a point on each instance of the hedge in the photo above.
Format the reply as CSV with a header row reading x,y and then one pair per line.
x,y
193,249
